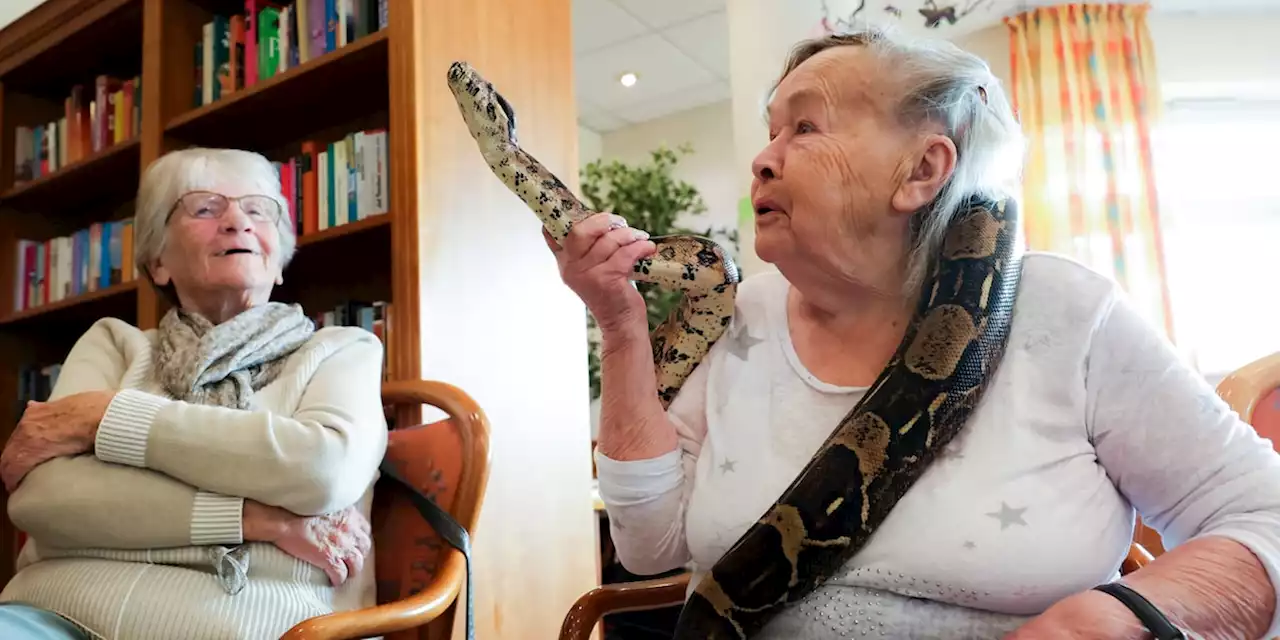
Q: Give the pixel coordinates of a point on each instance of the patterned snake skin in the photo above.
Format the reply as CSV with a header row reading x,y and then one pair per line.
x,y
919,402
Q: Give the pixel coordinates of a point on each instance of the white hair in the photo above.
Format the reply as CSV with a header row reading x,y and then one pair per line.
x,y
947,86
194,169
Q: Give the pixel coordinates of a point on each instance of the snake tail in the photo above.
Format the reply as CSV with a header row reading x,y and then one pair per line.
x,y
698,267
917,405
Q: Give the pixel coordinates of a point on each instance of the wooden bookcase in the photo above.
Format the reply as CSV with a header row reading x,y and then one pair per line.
x,y
475,297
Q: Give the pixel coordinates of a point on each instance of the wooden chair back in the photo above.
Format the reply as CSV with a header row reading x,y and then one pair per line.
x,y
1253,391
418,574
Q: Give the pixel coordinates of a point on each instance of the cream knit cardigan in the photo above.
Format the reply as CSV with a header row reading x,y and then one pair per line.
x,y
126,540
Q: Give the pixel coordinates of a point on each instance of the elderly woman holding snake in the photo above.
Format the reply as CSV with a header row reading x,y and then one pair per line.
x,y
878,149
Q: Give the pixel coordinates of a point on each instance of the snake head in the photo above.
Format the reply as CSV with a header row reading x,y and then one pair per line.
x,y
457,71
483,109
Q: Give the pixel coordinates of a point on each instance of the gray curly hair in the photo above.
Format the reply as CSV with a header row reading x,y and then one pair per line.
x,y
946,85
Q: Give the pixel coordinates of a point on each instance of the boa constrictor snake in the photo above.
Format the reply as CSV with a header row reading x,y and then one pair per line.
x,y
921,399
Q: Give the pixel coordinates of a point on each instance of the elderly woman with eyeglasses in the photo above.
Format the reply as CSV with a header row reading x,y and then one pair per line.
x,y
210,478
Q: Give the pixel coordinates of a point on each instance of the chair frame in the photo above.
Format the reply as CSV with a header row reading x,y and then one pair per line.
x,y
435,603
1245,387
644,595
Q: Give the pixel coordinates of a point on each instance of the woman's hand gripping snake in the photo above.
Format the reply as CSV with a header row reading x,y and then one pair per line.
x,y
920,401
700,268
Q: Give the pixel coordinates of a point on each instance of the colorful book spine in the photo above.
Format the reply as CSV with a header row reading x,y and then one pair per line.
x,y
93,118
374,317
91,259
270,37
331,184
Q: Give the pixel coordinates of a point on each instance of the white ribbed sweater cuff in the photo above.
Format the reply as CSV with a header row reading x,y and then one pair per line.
x,y
122,434
216,519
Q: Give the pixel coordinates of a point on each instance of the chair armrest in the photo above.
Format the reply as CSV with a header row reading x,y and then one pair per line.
x,y
1138,558
1245,387
616,598
434,601
414,611
654,594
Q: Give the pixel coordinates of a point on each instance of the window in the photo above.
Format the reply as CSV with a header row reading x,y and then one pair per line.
x,y
1219,197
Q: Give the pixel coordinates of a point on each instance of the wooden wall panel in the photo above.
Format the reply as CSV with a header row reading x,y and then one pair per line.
x,y
495,318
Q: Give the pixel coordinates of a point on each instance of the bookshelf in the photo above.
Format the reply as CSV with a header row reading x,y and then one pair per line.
x,y
473,296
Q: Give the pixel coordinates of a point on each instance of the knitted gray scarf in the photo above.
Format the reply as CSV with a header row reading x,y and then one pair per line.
x,y
224,364
202,363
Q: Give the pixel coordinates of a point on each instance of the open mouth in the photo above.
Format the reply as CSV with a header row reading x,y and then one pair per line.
x,y
765,206
232,252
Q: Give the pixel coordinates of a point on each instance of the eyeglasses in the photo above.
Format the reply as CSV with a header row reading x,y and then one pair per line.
x,y
207,205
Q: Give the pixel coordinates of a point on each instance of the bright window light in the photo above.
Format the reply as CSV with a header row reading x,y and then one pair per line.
x,y
1219,206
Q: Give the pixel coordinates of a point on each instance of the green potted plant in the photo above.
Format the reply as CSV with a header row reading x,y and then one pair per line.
x,y
649,197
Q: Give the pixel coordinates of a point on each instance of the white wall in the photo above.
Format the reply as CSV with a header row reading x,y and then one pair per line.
x,y
710,168
590,146
1228,55
11,10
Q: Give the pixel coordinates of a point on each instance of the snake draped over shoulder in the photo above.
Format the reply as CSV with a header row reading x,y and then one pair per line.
x,y
920,401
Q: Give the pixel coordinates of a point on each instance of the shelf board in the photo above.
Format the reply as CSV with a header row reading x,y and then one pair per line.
x,y
104,37
326,91
108,175
341,231
345,262
82,309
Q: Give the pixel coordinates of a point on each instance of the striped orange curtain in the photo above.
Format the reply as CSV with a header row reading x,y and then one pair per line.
x,y
1085,89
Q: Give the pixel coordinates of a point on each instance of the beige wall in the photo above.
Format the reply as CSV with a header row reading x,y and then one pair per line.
x,y
590,146
711,166
1229,55
991,44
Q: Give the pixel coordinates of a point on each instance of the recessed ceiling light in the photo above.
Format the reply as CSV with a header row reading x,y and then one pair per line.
x,y
627,79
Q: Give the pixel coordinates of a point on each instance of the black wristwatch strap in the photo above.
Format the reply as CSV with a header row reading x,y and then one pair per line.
x,y
1147,613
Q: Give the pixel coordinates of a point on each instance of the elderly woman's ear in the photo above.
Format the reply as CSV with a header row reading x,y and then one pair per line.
x,y
926,172
159,274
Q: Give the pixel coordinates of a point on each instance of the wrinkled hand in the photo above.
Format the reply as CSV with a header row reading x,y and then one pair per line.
x,y
336,543
596,262
63,427
1089,615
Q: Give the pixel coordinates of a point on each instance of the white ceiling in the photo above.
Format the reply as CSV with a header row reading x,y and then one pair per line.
x,y
679,49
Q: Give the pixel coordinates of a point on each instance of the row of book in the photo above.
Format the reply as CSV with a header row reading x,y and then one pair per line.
x,y
329,185
36,382
90,122
374,317
270,37
88,260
